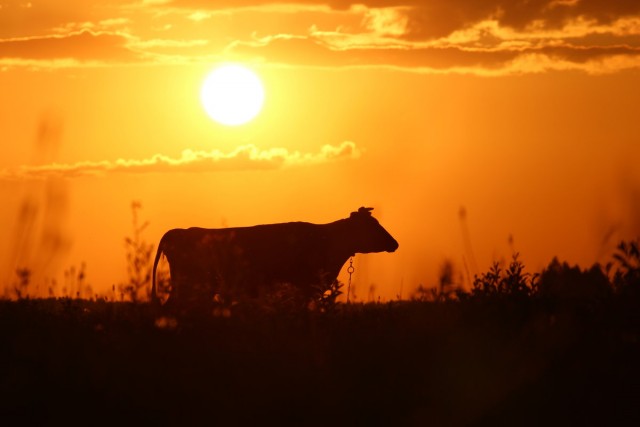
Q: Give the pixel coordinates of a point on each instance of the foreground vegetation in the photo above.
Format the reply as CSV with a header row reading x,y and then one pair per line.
x,y
556,348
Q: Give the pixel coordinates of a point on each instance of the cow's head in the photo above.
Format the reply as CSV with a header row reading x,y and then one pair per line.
x,y
368,235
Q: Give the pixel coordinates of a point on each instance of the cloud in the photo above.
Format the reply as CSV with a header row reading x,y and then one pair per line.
x,y
500,59
438,18
424,21
247,157
89,48
84,45
482,38
102,25
167,43
389,21
492,37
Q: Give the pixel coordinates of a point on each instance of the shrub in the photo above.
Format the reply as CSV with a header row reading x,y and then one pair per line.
x,y
139,260
512,282
563,283
626,277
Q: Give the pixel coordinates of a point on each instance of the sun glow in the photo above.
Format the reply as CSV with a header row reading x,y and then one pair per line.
x,y
232,95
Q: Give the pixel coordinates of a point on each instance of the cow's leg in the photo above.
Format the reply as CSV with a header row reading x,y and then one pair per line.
x,y
173,300
179,284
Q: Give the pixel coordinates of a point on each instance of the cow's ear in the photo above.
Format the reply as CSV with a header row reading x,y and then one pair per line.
x,y
366,211
362,212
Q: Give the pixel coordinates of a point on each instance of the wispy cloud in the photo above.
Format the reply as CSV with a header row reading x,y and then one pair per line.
x,y
466,37
102,25
84,45
437,18
505,58
91,48
247,157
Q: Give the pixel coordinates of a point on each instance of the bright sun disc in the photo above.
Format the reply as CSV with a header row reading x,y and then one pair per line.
x,y
232,95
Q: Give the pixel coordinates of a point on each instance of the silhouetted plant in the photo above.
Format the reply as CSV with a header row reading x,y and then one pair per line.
x,y
139,259
446,289
424,293
289,298
626,277
283,298
564,283
75,283
512,282
21,288
516,282
327,295
52,288
487,284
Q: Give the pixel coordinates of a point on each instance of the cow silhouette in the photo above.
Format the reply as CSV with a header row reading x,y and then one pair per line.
x,y
249,261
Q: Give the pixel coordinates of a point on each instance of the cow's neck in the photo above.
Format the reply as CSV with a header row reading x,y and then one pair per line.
x,y
341,245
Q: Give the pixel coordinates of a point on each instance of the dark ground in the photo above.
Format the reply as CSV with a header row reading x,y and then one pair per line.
x,y
474,362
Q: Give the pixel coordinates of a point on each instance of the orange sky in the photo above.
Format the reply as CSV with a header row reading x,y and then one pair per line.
x,y
523,113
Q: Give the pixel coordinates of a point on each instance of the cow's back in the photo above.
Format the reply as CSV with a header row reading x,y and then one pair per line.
x,y
274,253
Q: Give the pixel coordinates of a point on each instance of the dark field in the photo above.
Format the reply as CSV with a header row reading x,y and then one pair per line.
x,y
498,360
557,348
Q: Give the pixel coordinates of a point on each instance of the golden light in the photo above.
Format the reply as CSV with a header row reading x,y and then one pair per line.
x,y
232,95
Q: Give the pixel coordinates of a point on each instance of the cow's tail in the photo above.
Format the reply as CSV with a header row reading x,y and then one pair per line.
x,y
154,294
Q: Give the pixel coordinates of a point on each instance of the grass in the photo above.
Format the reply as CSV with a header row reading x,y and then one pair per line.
x,y
501,356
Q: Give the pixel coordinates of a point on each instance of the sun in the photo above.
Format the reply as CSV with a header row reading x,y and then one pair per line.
x,y
232,95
